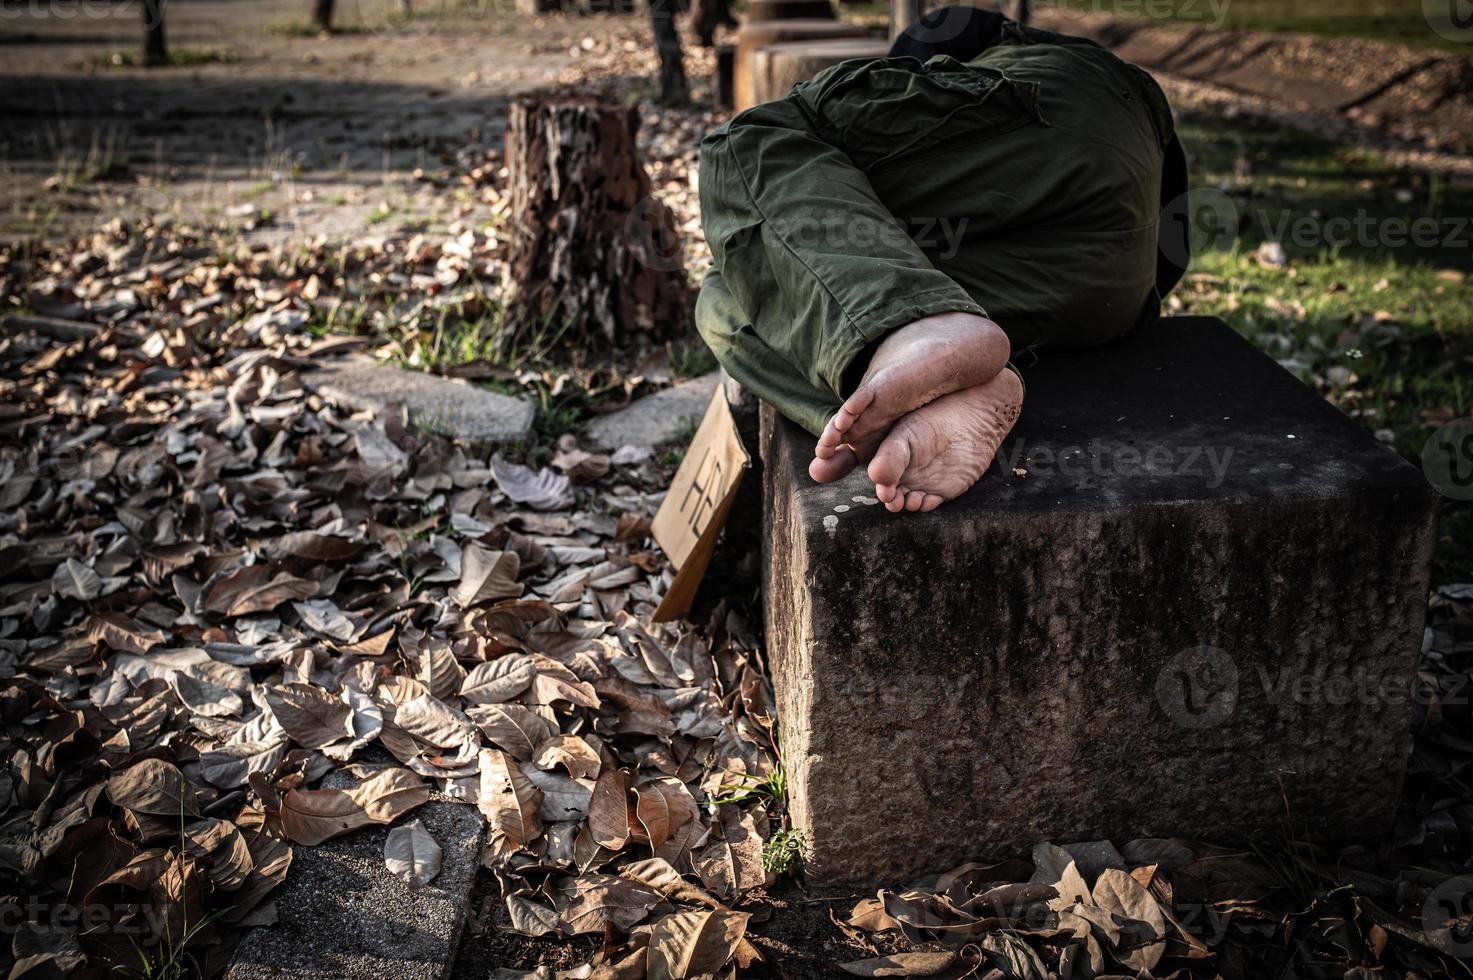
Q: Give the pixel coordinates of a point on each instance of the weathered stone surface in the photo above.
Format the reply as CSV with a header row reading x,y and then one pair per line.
x,y
773,70
660,419
343,916
453,408
1204,598
755,34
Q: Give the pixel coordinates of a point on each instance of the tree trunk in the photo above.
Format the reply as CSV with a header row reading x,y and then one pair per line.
x,y
673,89
155,46
322,14
1022,11
706,16
592,259
724,89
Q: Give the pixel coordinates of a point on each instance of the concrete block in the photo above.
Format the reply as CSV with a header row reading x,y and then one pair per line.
x,y
1189,593
452,408
755,34
343,916
662,419
774,69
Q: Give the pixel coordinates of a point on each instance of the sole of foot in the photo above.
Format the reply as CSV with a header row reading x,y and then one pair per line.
x,y
914,365
937,452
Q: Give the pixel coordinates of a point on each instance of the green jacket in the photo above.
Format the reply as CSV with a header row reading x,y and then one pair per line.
x,y
1024,185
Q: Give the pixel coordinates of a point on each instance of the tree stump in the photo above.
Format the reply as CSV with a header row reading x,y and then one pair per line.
x,y
592,259
756,35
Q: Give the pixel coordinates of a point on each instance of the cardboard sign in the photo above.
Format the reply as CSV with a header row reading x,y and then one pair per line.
x,y
697,503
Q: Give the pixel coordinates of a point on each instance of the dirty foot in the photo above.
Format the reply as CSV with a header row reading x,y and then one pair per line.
x,y
914,365
936,452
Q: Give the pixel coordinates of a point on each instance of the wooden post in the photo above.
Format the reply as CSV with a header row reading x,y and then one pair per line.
x,y
725,87
592,259
155,46
322,14
903,13
706,16
673,89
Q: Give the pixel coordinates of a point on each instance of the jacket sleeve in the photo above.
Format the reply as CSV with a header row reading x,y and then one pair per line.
x,y
805,246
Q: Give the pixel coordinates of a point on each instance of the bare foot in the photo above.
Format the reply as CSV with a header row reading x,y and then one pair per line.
x,y
936,452
914,365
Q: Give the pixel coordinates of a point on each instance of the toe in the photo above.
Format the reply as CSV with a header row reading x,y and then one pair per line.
x,y
829,440
914,499
835,467
885,493
852,409
890,461
896,503
931,502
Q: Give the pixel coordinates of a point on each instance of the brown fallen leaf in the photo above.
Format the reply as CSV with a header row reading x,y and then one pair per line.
x,y
694,943
486,575
255,589
310,715
513,727
120,632
596,902
311,816
917,964
153,787
412,855
569,751
508,799
608,810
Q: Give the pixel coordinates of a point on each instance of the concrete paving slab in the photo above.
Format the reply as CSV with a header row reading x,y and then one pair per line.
x,y
656,420
452,408
343,916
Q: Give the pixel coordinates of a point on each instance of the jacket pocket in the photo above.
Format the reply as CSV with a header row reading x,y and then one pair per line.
x,y
896,110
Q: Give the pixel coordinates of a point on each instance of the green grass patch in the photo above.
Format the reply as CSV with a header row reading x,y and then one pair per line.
x,y
1375,316
178,58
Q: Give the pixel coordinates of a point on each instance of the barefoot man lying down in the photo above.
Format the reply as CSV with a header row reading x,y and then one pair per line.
x,y
893,233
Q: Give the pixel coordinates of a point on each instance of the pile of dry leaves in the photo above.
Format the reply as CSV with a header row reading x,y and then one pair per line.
x,y
218,587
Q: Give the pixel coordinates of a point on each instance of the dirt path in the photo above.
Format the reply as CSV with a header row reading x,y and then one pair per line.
x,y
1413,105
323,133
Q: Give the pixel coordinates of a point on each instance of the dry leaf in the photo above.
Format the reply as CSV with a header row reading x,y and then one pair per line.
x,y
694,943
411,854
486,575
508,799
